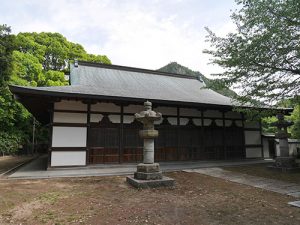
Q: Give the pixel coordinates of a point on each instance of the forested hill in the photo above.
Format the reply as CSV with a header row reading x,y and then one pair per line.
x,y
174,67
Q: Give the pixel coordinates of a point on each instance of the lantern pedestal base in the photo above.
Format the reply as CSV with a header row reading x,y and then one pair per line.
x,y
285,164
163,182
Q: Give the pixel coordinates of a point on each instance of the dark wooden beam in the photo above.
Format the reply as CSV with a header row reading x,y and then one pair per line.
x,y
223,136
244,141
261,140
51,114
121,132
178,133
88,132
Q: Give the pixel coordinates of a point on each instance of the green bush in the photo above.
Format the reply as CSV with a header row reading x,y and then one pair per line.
x,y
9,142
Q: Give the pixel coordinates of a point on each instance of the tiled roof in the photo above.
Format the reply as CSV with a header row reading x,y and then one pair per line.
x,y
94,79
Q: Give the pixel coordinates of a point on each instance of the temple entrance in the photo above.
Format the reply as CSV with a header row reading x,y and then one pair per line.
x,y
132,143
103,142
112,143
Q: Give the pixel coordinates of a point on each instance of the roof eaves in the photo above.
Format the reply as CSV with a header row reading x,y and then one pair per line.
x,y
62,94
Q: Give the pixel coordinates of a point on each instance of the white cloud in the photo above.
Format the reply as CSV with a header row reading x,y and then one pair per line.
x,y
132,33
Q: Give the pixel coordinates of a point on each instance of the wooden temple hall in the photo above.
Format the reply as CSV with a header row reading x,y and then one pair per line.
x,y
92,119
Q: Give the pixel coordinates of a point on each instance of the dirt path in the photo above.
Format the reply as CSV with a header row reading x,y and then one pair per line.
x,y
9,162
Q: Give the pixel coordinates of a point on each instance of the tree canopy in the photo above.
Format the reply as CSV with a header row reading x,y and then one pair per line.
x,y
41,59
261,59
174,67
31,59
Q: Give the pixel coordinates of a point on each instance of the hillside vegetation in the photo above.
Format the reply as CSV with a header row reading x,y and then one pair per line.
x,y
174,67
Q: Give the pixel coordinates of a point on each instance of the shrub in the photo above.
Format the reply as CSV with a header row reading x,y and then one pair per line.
x,y
9,142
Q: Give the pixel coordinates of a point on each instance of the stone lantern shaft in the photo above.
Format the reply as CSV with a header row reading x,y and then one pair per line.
x,y
284,162
147,117
148,173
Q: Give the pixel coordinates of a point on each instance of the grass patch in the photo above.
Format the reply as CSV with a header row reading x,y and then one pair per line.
x,y
50,197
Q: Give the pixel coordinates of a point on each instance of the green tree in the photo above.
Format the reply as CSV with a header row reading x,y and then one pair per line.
x,y
295,130
12,115
26,69
31,59
262,59
54,78
6,49
42,59
54,51
174,67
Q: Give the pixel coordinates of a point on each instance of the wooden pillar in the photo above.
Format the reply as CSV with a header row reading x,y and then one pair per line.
x,y
121,131
202,134
50,136
261,140
178,133
87,133
223,136
244,145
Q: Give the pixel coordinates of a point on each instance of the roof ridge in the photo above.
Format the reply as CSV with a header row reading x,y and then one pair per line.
x,y
134,69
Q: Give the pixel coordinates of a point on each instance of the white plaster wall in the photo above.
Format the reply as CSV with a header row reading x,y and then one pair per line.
x,y
115,118
158,121
251,124
239,123
207,122
60,117
233,115
170,111
266,148
253,153
69,136
68,158
128,119
133,109
197,122
228,123
105,107
189,112
219,123
252,138
183,121
212,113
292,149
96,118
70,105
172,120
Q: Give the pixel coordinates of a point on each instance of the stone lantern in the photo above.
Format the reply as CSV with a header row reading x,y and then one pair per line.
x,y
284,162
148,173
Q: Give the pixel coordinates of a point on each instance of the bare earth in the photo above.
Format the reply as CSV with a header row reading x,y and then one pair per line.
x,y
197,199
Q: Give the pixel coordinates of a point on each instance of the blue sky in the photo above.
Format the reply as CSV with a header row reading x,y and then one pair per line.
x,y
138,33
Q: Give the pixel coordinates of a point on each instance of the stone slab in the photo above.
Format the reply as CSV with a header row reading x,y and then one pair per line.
x,y
148,176
148,168
285,169
164,182
148,133
277,186
37,168
294,194
295,203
